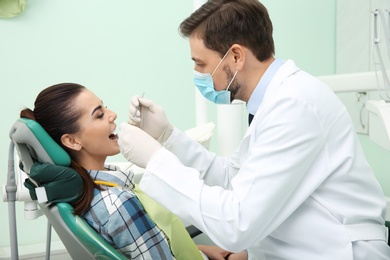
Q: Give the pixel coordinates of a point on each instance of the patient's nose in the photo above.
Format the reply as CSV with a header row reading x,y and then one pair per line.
x,y
112,116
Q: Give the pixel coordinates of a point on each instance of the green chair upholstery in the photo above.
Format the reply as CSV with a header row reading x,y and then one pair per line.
x,y
81,240
96,245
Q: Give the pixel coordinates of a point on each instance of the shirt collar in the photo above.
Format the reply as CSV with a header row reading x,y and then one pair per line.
x,y
113,174
258,94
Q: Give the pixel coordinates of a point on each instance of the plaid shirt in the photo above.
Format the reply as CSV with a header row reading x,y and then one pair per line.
x,y
117,215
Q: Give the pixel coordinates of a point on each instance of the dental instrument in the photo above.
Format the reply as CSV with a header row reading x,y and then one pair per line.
x,y
136,110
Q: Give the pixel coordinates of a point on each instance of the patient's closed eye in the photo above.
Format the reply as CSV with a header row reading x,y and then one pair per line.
x,y
101,115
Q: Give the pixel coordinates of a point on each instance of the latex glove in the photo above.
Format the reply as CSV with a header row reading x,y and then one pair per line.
x,y
150,117
136,145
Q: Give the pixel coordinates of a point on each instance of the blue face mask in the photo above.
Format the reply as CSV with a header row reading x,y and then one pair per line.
x,y
204,82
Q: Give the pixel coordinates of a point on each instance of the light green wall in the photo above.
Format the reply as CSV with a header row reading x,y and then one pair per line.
x,y
116,48
122,48
305,32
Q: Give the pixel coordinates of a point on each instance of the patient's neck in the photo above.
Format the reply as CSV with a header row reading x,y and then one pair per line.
x,y
91,163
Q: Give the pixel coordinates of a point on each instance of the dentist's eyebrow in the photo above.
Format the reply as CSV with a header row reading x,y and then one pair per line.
x,y
196,59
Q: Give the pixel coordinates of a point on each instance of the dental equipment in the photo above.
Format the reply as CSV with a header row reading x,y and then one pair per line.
x,y
378,110
136,110
376,40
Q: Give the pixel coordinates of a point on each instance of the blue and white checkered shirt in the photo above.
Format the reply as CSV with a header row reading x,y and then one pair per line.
x,y
117,215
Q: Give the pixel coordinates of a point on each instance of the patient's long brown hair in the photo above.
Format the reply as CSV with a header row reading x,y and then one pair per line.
x,y
55,111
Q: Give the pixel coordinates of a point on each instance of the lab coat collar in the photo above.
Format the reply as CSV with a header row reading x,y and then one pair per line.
x,y
287,69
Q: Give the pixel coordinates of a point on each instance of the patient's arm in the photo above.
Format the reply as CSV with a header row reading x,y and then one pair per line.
x,y
243,255
122,221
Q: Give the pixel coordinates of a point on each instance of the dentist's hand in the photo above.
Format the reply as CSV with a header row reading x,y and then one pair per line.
x,y
150,117
136,145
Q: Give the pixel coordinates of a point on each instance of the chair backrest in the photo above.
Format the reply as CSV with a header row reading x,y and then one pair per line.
x,y
82,242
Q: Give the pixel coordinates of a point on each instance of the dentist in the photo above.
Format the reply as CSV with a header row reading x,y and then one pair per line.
x,y
297,187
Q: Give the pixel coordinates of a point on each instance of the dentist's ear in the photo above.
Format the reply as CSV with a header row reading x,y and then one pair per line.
x,y
238,52
71,142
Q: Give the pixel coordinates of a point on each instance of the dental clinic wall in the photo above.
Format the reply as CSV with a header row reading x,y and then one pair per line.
x,y
115,48
122,48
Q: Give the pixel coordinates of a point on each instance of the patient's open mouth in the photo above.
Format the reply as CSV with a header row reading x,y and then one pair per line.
x,y
113,136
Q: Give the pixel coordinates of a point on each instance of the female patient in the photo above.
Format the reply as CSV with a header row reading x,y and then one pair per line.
x,y
79,122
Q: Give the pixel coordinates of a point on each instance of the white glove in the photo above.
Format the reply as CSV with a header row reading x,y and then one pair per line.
x,y
150,117
136,145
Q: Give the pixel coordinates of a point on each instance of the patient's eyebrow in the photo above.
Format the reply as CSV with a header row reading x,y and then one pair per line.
x,y
96,108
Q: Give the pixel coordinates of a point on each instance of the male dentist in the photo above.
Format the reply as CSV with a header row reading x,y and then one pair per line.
x,y
297,187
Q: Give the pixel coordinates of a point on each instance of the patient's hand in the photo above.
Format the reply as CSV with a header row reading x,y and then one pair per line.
x,y
214,252
243,255
217,253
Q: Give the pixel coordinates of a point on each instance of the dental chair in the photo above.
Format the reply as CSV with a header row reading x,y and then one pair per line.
x,y
33,144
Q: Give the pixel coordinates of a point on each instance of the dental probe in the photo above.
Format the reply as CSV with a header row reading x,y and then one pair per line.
x,y
136,110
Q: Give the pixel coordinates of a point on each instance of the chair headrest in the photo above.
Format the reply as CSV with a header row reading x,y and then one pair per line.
x,y
34,144
45,162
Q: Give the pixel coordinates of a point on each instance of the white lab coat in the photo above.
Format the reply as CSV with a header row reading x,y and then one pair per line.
x,y
298,187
